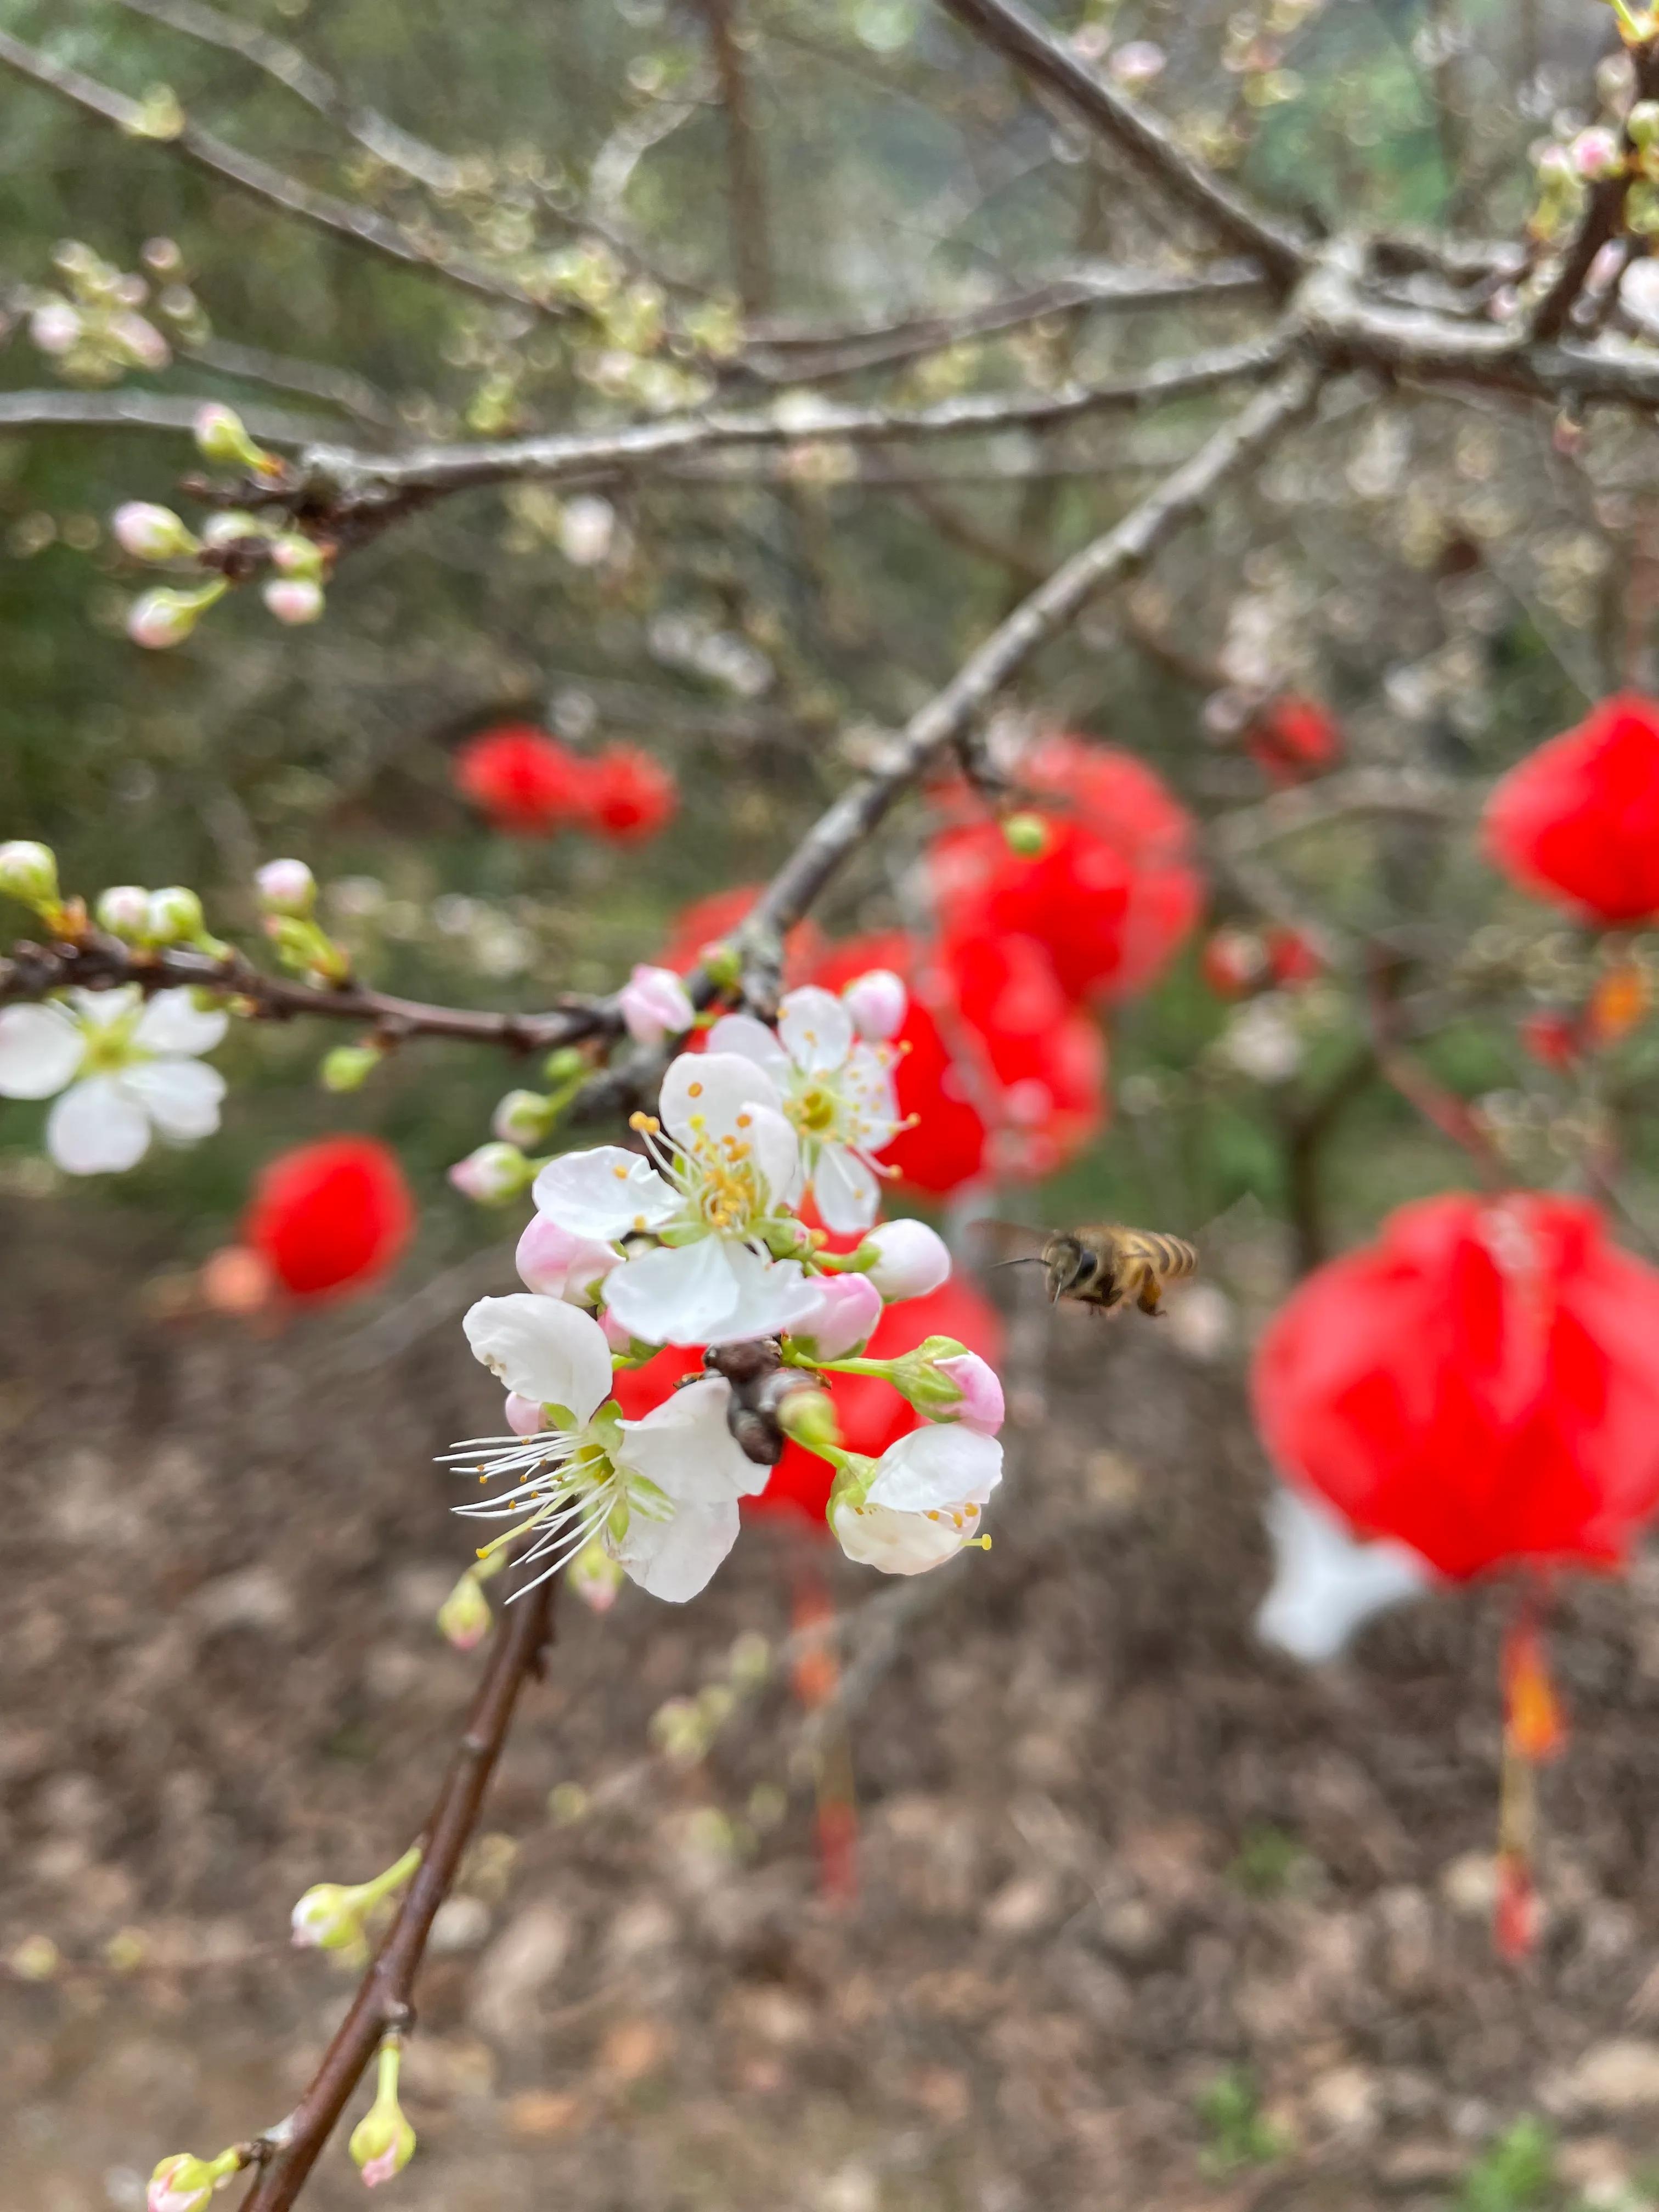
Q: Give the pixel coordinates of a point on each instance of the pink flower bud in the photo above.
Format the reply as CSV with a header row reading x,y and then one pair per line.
x,y
142,342
157,620
1138,62
1554,165
981,1406
182,2184
55,327
524,1416
1596,153
654,1005
849,1306
294,599
492,1174
286,887
231,526
877,1001
910,1259
559,1265
150,533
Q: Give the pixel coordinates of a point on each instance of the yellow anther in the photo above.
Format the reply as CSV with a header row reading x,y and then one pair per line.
x,y
694,1090
745,1120
640,1121
932,1516
621,1174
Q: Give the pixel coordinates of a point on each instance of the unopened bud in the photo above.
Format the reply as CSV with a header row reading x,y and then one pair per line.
x,y
594,1576
382,2143
29,872
158,619
1642,125
877,1001
56,327
463,1617
174,916
329,1916
523,1118
1597,154
492,1174
722,964
286,887
349,1067
1026,834
654,1005
222,437
231,527
294,556
182,2183
568,1065
293,600
904,1259
809,1416
151,533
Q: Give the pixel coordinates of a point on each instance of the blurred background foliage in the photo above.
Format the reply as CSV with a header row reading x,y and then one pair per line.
x,y
1450,583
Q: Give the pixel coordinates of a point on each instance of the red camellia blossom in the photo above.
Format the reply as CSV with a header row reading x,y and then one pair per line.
x,y
329,1218
1004,1073
1577,821
1481,1383
1114,890
1292,739
525,781
707,921
628,795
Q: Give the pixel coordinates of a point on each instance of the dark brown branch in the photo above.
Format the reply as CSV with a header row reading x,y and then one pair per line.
x,y
1032,47
146,410
1600,222
339,218
35,971
383,2000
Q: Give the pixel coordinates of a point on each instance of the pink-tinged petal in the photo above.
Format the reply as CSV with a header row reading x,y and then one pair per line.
x,y
933,1469
847,1193
675,1559
96,1129
552,1353
386,2168
751,1040
897,1543
877,1001
816,1028
911,1258
560,1265
523,1415
686,1448
679,1294
981,1405
173,1022
713,1088
604,1194
849,1307
655,1004
40,1048
182,1097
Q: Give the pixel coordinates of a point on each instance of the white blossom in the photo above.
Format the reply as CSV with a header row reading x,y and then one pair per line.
x,y
1326,1585
920,1503
121,1068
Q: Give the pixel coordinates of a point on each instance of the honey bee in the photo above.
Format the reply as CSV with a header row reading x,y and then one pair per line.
x,y
1108,1267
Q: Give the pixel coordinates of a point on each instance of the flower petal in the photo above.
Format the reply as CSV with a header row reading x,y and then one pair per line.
x,y
674,1560
40,1048
1326,1586
713,1088
897,1543
181,1097
751,1040
604,1193
102,1010
685,1446
847,1193
550,1352
173,1022
679,1294
816,1028
776,1152
96,1129
933,1468
773,1297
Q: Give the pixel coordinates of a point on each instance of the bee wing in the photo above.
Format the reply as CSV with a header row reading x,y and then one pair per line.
x,y
1008,1240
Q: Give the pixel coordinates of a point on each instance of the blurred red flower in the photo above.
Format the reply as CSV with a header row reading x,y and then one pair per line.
x,y
1291,957
1577,821
329,1218
706,920
1292,739
1552,1039
1481,1383
525,781
1112,893
1005,1075
628,796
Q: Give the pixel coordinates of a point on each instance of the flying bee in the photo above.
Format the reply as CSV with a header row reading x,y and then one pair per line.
x,y
1108,1267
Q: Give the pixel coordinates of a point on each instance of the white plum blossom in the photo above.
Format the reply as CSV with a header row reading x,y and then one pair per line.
x,y
723,1170
836,1093
125,1069
659,1495
920,1503
1326,1585
910,1259
655,1004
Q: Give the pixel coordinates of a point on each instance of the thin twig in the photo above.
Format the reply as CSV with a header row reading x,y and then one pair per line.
x,y
383,1998
1601,221
751,246
171,411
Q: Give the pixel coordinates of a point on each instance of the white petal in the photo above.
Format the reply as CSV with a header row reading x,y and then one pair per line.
x,y
173,1022
849,1195
674,1560
101,1009
773,1297
816,1028
897,1543
685,1446
550,1352
604,1193
777,1154
96,1129
1326,1585
40,1048
751,1040
181,1097
679,1294
713,1088
934,1468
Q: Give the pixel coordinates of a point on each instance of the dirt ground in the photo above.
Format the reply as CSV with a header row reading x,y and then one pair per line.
x,y
1113,1854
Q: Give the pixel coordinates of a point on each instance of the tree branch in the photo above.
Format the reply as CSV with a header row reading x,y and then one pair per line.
x,y
752,247
1601,219
383,2000
35,971
147,410
1032,47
